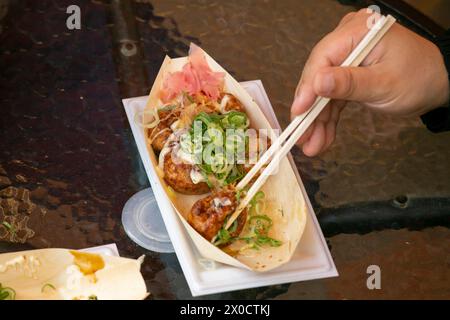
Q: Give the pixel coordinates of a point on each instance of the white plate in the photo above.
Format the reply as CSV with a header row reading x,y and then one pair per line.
x,y
311,260
107,250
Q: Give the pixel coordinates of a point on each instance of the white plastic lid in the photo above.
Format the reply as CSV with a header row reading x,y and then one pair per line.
x,y
143,223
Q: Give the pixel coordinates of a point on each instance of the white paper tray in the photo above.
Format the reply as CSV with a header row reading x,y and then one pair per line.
x,y
312,259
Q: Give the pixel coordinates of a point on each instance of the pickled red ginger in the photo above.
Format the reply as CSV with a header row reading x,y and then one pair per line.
x,y
195,77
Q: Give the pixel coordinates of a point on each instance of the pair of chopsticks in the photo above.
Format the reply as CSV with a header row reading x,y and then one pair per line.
x,y
301,123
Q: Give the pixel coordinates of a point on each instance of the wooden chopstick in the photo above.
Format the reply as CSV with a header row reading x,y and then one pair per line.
x,y
302,122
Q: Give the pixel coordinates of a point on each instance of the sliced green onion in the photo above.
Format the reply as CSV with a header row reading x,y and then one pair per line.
x,y
238,195
249,246
259,196
223,236
260,207
219,163
234,176
259,229
206,177
47,285
7,293
262,225
214,135
235,119
233,227
205,168
211,141
204,118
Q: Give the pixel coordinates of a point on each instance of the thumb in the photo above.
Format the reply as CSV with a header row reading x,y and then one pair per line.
x,y
305,98
346,83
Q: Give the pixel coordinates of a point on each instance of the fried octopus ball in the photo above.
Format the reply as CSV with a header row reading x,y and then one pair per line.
x,y
178,176
208,215
162,131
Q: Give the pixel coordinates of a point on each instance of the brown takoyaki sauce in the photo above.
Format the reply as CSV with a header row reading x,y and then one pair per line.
x,y
162,131
208,215
229,102
177,174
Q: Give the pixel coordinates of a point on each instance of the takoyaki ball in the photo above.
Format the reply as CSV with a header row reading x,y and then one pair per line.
x,y
177,175
208,215
231,103
162,131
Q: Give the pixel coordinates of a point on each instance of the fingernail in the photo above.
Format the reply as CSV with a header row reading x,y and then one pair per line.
x,y
295,109
297,104
326,83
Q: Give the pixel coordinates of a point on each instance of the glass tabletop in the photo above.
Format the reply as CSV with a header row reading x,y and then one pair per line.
x,y
68,161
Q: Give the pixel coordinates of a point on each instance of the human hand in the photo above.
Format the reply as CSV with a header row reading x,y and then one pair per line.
x,y
404,75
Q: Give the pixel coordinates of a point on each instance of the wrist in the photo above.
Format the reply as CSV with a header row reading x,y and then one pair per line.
x,y
443,44
438,120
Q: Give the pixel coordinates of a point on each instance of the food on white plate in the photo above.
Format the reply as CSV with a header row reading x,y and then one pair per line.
x,y
61,274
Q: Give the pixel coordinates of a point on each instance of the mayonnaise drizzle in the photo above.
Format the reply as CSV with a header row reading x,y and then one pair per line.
x,y
28,265
196,176
173,144
221,202
174,126
223,103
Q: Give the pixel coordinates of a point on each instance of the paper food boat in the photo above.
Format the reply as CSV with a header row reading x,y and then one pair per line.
x,y
54,274
288,206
